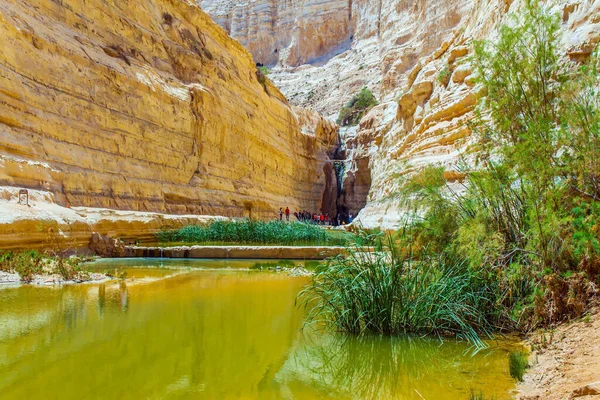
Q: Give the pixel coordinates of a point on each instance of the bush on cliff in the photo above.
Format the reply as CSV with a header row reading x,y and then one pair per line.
x,y
355,109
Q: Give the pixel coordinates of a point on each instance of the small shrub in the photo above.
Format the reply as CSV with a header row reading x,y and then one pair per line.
x,y
264,70
355,109
30,263
261,76
27,264
444,76
69,268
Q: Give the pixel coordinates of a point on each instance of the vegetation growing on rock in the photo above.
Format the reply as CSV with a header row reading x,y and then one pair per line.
x,y
357,107
520,236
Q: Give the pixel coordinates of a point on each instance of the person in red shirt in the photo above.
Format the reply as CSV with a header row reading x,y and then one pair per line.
x,y
287,213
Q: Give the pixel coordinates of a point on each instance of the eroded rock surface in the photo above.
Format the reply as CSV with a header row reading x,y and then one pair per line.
x,y
149,106
414,55
292,32
105,246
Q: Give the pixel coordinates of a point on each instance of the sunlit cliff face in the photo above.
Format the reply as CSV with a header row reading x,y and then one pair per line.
x,y
149,105
414,55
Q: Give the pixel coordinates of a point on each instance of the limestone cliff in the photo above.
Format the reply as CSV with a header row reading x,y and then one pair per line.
x,y
149,106
414,55
426,120
292,32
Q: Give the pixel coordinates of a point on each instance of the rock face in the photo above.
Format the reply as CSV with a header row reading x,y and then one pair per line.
x,y
149,106
45,224
434,95
414,56
105,246
293,32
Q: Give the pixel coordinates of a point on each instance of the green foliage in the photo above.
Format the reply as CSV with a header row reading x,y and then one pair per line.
x,y
27,264
69,268
264,70
355,109
518,364
30,263
478,395
444,75
392,291
250,231
528,217
261,75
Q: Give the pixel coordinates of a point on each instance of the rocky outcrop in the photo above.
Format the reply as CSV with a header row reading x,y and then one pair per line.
x,y
105,246
414,56
148,106
45,224
435,99
291,32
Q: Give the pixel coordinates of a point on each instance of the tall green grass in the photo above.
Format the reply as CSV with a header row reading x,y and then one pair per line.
x,y
518,364
249,231
392,291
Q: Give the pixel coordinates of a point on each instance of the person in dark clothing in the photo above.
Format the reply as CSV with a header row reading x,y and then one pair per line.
x,y
287,213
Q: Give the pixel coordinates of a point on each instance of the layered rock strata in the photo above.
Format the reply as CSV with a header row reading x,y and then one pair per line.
x,y
415,56
148,106
292,32
427,120
44,224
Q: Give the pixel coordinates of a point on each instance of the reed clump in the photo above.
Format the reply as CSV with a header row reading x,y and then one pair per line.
x,y
251,231
394,291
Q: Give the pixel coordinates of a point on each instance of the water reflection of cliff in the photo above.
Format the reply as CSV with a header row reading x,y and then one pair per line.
x,y
215,333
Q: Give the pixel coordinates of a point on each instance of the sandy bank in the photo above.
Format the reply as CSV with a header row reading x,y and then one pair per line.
x,y
565,363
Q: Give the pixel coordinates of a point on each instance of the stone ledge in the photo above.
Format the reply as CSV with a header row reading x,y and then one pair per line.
x,y
241,252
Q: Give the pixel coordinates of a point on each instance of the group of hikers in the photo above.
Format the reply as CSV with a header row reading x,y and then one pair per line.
x,y
319,219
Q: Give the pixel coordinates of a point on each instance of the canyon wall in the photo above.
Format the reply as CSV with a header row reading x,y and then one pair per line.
x,y
292,32
427,103
148,106
414,56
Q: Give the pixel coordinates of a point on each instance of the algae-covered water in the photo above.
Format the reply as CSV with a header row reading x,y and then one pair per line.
x,y
216,330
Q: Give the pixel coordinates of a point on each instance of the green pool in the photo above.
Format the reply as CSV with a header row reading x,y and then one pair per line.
x,y
203,329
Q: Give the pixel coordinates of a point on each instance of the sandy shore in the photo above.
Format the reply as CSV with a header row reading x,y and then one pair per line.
x,y
565,363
